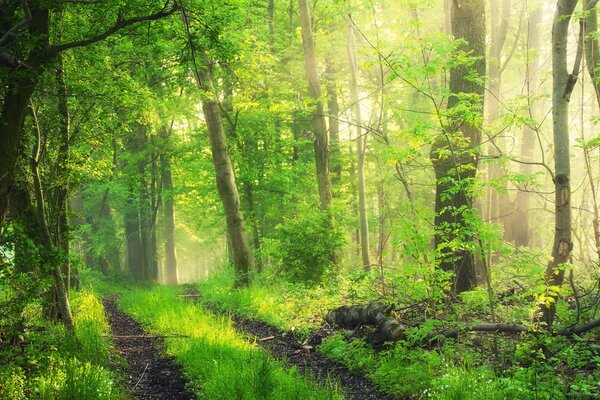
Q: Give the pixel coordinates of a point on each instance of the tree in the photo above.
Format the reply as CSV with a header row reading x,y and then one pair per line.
x,y
361,147
172,276
563,84
319,125
453,152
26,67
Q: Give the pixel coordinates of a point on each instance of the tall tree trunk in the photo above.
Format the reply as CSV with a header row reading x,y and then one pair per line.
x,y
499,207
361,143
62,194
226,185
334,124
522,234
19,88
55,267
592,50
318,121
453,205
562,86
592,57
171,272
225,176
271,19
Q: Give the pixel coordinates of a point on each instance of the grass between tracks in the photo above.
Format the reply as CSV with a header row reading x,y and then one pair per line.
x,y
540,367
48,363
217,361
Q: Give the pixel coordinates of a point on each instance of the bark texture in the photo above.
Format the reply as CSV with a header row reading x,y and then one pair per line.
x,y
562,86
454,152
226,185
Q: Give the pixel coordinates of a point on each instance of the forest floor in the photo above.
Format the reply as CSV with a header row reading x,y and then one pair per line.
x,y
287,346
151,374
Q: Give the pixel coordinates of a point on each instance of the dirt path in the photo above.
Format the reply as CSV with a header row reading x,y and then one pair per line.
x,y
151,374
285,345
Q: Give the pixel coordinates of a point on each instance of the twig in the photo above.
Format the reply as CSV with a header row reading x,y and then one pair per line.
x,y
141,376
146,336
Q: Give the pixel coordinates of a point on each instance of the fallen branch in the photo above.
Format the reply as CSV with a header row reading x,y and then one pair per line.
x,y
145,336
390,329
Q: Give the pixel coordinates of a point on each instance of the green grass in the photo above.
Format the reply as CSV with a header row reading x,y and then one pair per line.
x,y
217,361
279,303
451,371
54,364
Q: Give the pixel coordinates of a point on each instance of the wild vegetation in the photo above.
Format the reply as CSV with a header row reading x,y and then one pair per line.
x,y
409,189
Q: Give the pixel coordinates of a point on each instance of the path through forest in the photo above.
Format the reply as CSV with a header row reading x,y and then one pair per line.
x,y
151,374
287,346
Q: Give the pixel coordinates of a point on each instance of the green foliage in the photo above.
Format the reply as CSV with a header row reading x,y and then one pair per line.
x,y
305,243
218,362
50,363
72,379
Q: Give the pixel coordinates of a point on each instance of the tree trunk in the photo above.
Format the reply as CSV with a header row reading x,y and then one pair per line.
x,y
62,191
562,86
361,143
226,185
592,58
453,153
522,234
60,289
171,273
499,206
318,121
19,88
592,50
334,123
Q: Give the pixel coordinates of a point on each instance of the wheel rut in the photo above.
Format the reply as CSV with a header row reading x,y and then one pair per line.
x,y
151,375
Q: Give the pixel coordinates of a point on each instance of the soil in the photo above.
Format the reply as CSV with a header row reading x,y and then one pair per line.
x,y
287,346
151,374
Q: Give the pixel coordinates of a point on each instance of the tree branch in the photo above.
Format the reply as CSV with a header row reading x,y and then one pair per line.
x,y
120,24
20,25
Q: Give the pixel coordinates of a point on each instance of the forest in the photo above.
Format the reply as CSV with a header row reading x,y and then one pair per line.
x,y
294,199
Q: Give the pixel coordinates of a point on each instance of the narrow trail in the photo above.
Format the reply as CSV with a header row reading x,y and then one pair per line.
x,y
287,346
151,374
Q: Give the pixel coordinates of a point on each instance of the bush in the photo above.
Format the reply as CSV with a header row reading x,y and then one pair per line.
x,y
306,244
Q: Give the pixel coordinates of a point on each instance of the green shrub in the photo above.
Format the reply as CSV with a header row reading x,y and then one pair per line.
x,y
304,245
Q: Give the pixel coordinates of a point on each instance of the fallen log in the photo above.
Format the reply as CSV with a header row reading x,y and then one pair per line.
x,y
387,328
390,329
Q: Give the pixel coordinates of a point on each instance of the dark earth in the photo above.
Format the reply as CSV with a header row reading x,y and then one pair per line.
x,y
151,374
287,346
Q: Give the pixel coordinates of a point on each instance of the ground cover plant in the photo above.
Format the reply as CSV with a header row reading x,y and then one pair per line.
x,y
470,367
48,362
218,362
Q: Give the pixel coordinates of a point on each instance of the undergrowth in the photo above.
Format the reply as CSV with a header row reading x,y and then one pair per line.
x,y
49,363
218,362
537,367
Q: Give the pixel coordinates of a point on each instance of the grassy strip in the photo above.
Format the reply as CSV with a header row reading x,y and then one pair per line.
x,y
218,362
50,363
